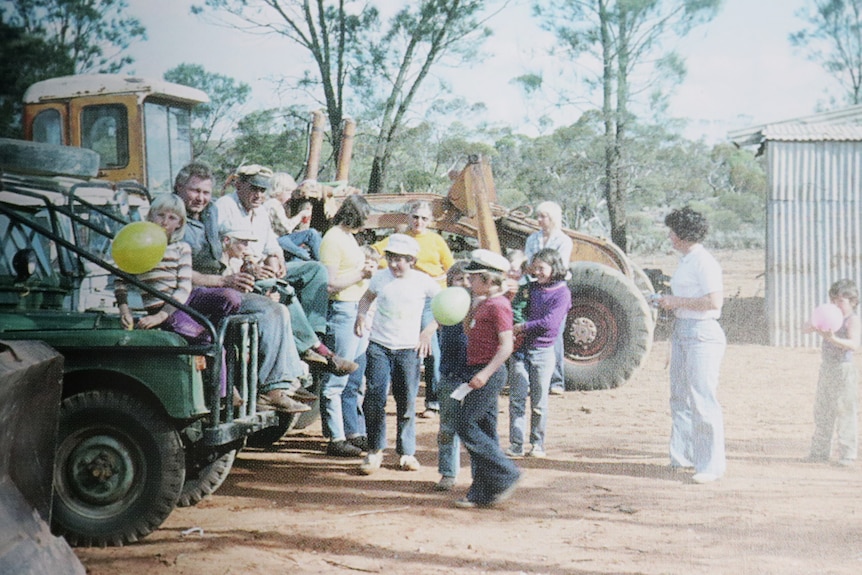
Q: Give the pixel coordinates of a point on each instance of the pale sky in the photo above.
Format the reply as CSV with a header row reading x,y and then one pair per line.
x,y
741,68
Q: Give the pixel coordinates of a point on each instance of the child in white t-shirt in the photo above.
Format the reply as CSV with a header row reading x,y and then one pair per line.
x,y
397,344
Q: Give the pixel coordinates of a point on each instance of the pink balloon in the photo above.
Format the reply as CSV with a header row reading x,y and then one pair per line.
x,y
827,317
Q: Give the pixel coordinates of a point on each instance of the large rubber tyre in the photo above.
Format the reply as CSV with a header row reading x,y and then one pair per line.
x,y
118,471
204,478
609,329
35,158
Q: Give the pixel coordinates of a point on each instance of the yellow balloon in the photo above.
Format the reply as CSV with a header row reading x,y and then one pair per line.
x,y
138,247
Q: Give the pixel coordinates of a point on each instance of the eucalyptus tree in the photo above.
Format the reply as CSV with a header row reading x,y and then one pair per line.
x,y
94,34
391,70
358,54
625,44
833,38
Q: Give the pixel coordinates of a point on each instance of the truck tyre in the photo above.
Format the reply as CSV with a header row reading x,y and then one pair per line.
x,y
118,472
40,159
206,479
608,331
267,437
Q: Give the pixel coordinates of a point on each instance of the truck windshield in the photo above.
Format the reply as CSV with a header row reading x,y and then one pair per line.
x,y
169,144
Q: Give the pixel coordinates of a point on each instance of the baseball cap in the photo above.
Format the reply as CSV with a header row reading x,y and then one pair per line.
x,y
240,234
483,260
256,175
402,244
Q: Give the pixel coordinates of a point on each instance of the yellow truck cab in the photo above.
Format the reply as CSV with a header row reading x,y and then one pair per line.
x,y
140,127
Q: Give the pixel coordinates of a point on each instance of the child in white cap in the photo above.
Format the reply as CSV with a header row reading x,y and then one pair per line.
x,y
396,345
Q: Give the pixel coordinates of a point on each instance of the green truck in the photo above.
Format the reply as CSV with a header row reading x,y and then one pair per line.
x,y
144,424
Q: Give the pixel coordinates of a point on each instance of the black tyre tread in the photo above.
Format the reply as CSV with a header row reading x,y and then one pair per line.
x,y
207,480
120,415
634,319
266,438
36,158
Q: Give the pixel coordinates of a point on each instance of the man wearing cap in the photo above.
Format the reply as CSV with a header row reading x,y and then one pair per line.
x,y
280,368
396,345
244,208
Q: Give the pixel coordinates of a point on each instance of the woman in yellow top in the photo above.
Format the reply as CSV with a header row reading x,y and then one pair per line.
x,y
435,259
348,280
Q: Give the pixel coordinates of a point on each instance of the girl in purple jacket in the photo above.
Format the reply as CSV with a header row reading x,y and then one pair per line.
x,y
548,302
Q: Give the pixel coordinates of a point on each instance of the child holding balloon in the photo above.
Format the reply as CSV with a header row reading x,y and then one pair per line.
x,y
489,345
836,400
548,302
172,276
453,364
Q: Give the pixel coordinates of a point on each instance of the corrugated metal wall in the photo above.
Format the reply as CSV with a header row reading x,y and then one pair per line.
x,y
814,230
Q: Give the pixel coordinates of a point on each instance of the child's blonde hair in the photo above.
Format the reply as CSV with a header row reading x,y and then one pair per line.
x,y
173,204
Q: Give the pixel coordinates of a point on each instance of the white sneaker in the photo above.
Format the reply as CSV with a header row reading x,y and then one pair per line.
x,y
702,478
514,452
409,463
538,452
372,462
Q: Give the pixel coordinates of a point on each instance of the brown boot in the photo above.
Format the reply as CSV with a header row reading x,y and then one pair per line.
x,y
337,365
279,400
314,359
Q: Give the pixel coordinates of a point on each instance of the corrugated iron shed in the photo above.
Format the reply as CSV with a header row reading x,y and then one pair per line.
x,y
814,222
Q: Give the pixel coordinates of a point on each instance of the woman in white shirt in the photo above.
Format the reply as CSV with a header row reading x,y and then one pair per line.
x,y
697,348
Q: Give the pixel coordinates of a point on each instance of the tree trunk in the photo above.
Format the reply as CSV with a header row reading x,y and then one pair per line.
x,y
610,185
378,174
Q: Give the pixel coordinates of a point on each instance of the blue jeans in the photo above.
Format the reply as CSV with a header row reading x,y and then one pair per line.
x,y
354,394
476,425
529,375
558,377
309,280
432,362
448,444
279,366
292,244
697,424
341,340
401,367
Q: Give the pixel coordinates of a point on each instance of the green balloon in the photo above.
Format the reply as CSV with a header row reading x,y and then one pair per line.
x,y
138,247
451,305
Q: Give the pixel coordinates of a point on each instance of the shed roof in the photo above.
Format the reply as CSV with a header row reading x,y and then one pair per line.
x,y
844,124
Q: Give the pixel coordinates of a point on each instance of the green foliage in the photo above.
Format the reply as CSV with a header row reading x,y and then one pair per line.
x,y
24,60
274,138
624,42
94,34
666,171
833,38
211,122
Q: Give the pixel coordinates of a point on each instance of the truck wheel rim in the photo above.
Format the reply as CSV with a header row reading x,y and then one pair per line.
x,y
100,470
591,331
